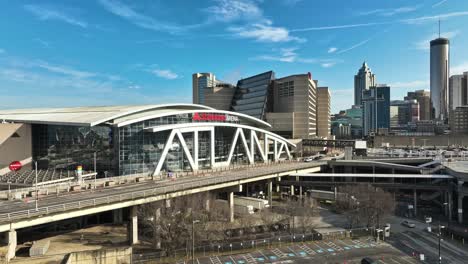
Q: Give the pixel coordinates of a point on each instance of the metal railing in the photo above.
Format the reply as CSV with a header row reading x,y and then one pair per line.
x,y
151,191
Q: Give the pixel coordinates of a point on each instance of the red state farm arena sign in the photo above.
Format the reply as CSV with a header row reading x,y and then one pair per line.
x,y
15,166
214,117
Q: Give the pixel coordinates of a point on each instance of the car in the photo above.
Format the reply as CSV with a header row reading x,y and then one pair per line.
x,y
368,260
408,224
309,159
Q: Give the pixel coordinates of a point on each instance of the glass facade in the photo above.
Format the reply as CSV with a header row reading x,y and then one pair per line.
x,y
252,95
65,147
134,148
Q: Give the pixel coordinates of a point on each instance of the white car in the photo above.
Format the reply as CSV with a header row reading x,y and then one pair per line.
x,y
309,159
408,224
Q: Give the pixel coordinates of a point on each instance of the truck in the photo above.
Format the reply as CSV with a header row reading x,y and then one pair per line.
x,y
238,209
257,204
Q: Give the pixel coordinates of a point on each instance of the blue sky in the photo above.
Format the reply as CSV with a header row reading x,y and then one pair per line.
x,y
70,53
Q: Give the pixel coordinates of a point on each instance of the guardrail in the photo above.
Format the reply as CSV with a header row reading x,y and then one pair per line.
x,y
128,178
180,186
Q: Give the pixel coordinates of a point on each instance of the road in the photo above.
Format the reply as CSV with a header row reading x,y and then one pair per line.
x,y
155,187
419,241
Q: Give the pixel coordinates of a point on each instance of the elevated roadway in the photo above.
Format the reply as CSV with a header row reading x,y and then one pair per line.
x,y
20,214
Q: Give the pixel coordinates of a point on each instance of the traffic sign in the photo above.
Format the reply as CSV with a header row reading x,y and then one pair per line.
x,y
15,166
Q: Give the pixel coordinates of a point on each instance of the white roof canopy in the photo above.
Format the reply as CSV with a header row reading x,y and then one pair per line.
x,y
89,115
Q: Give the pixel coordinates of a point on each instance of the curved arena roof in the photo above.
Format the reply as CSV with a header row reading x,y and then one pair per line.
x,y
112,115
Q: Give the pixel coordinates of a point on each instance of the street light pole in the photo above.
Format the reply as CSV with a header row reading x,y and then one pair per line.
x,y
37,192
193,240
440,234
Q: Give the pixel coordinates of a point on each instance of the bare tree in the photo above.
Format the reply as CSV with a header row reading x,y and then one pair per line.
x,y
171,226
364,204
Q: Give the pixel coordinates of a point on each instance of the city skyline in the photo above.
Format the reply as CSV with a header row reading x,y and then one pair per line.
x,y
117,52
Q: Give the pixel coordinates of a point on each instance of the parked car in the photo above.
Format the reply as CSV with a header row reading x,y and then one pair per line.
x,y
309,159
408,224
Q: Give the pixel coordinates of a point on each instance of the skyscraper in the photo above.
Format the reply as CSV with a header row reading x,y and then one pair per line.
x,y
362,81
200,81
440,66
424,100
323,112
376,109
458,91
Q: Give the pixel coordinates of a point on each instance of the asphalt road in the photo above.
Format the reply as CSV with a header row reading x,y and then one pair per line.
x,y
51,200
419,241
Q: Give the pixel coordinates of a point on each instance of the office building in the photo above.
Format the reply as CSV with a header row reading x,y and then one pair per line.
x,y
439,78
362,81
200,81
394,122
459,120
294,113
293,105
351,117
252,95
376,110
341,131
423,98
407,111
458,91
122,140
323,112
219,96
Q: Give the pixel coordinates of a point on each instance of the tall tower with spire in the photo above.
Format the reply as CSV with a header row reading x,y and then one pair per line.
x,y
362,81
439,77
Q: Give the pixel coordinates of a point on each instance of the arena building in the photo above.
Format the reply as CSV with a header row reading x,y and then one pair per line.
x,y
122,140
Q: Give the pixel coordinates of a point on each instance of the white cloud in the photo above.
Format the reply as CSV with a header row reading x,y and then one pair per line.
x,y
354,46
340,26
416,20
332,50
459,68
166,74
289,55
134,87
265,33
418,84
42,42
419,20
439,3
64,70
230,10
257,27
119,9
390,11
43,13
328,64
424,44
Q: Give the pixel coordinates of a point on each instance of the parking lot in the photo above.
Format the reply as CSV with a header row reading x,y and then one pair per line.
x,y
338,251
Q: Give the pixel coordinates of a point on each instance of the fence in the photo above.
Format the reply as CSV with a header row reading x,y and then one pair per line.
x,y
242,245
167,187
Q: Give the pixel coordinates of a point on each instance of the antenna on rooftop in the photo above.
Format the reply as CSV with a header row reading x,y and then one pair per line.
x,y
439,27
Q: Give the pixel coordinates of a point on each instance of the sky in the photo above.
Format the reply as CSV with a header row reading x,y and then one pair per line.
x,y
116,52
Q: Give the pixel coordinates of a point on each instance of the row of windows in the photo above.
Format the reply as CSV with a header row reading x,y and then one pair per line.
x,y
286,89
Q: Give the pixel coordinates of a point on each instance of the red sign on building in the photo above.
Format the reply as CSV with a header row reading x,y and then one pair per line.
x,y
15,166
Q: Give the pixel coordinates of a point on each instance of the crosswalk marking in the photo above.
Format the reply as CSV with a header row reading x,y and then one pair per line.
x,y
215,260
249,258
307,249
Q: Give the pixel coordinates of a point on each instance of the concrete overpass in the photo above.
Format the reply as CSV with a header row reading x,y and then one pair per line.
x,y
18,214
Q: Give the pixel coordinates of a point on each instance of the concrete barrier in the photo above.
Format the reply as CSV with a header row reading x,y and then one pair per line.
x,y
39,248
107,256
